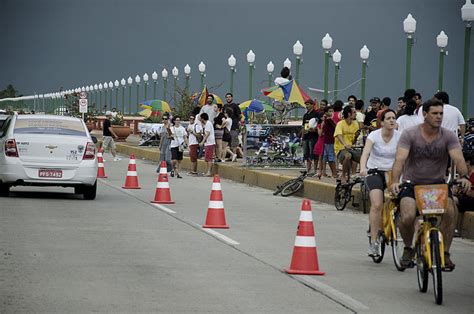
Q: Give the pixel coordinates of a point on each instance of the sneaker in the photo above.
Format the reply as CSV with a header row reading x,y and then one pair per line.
x,y
117,159
172,173
448,263
374,249
234,157
407,258
178,176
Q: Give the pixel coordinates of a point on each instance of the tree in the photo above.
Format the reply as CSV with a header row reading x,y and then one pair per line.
x,y
9,92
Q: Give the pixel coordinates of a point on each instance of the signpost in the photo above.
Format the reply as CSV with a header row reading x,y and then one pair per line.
x,y
83,106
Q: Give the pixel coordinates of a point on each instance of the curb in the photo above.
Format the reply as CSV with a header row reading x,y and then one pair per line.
x,y
314,190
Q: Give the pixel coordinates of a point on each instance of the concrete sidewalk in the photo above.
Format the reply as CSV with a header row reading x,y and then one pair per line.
x,y
316,189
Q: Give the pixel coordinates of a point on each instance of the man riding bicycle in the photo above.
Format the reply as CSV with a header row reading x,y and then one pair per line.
x,y
422,156
345,135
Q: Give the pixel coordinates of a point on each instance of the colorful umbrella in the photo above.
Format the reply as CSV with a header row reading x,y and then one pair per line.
x,y
256,106
289,92
154,108
203,97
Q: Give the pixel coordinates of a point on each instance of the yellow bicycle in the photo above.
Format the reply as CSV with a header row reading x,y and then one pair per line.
x,y
432,201
390,234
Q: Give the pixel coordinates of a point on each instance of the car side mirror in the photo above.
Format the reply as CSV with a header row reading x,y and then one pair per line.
x,y
94,139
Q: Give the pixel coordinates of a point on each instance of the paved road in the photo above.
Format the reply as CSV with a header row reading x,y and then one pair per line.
x,y
120,253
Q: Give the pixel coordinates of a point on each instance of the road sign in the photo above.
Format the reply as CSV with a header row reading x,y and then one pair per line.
x,y
83,105
83,95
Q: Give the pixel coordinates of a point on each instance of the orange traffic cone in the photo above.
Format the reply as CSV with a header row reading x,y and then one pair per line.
x,y
305,256
215,212
131,182
100,165
163,193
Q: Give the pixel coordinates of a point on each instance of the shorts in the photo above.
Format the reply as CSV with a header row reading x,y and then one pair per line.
x,y
328,154
176,154
353,154
409,191
108,143
218,134
376,181
308,147
209,152
193,152
234,138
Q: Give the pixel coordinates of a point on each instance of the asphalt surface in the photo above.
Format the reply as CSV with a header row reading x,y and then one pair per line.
x,y
120,253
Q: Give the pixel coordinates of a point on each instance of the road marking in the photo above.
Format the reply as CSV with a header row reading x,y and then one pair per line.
x,y
220,236
332,293
164,208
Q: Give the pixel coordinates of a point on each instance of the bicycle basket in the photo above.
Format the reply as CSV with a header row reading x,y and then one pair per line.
x,y
431,199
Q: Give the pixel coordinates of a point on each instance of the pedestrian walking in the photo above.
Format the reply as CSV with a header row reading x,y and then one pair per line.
x,y
227,136
195,137
235,116
208,142
108,133
179,138
165,140
309,135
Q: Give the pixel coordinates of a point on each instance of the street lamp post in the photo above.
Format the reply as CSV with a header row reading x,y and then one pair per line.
x,y
202,70
100,97
336,58
164,75
116,84
106,85
270,68
187,74
111,86
145,82
250,60
96,87
467,13
409,26
123,82
175,73
364,55
137,80
441,42
327,44
231,61
154,76
298,51
130,82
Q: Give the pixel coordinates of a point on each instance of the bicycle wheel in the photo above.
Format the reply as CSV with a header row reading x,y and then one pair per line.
x,y
396,241
364,197
436,270
291,189
340,197
421,267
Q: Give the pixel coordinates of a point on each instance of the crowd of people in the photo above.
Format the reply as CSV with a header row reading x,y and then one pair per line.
x,y
417,142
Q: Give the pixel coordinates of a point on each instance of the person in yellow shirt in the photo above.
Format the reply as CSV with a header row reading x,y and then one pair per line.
x,y
345,135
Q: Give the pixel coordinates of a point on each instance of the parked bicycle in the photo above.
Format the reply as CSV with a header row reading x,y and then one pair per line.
x,y
292,186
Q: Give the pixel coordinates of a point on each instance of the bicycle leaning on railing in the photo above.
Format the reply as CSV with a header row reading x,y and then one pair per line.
x,y
292,186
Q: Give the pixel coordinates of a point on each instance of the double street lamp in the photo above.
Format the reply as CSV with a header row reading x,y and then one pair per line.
x,y
327,45
336,58
250,60
409,27
467,13
231,61
364,55
202,70
441,42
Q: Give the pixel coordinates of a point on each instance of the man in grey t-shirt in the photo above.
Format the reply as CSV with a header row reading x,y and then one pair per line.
x,y
422,153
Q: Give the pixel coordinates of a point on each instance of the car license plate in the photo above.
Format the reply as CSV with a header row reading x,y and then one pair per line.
x,y
47,173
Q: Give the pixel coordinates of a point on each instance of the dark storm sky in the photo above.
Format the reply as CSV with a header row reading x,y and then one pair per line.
x,y
47,44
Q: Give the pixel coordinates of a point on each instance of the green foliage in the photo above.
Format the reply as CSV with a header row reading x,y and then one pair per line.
x,y
185,105
117,120
9,92
153,119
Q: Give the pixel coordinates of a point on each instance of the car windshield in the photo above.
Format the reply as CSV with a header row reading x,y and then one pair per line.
x,y
49,126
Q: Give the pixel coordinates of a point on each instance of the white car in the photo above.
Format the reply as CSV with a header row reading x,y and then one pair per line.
x,y
47,150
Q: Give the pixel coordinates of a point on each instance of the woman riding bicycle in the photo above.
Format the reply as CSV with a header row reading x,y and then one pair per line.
x,y
379,153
